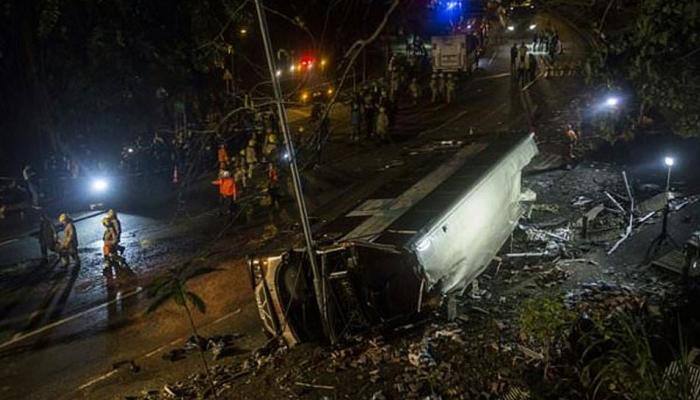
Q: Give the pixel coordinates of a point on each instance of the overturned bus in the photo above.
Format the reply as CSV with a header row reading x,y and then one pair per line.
x,y
433,227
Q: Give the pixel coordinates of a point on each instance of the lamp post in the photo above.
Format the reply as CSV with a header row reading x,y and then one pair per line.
x,y
664,237
318,279
669,161
612,102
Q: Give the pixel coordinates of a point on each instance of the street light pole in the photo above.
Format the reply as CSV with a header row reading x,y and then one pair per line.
x,y
296,180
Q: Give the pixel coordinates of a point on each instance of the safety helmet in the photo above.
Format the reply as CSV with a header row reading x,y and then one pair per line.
x,y
105,222
111,213
63,218
251,142
272,138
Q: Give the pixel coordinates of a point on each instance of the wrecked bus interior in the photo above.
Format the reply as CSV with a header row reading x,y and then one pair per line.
x,y
433,228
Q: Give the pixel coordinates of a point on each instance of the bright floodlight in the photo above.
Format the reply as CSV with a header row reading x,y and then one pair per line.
x,y
669,161
612,101
511,28
532,27
278,73
99,185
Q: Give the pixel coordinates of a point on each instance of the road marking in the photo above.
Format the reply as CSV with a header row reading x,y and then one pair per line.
x,y
156,350
6,242
19,337
495,76
99,378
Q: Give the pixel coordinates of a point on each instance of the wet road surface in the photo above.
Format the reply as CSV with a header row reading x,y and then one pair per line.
x,y
62,328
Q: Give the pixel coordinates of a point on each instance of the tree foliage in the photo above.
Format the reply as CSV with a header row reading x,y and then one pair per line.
x,y
650,50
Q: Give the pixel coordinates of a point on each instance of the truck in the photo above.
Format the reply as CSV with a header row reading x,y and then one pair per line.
x,y
454,53
431,228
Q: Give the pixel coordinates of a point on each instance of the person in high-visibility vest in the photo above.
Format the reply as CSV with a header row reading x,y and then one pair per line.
x,y
223,158
227,192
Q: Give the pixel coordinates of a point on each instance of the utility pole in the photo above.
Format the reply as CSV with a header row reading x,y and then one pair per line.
x,y
296,180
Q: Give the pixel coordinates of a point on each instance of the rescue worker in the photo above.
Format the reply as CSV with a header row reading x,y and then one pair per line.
x,y
117,224
47,237
239,175
222,156
227,192
415,90
513,58
273,191
382,128
270,147
441,84
112,259
251,157
531,67
28,174
572,140
433,88
535,41
68,246
450,89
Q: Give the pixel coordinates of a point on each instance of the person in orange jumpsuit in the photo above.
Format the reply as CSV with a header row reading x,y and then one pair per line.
x,y
228,192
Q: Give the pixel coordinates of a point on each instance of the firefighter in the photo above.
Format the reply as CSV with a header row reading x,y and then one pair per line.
x,y
227,192
382,125
47,237
117,224
68,246
223,157
415,90
433,88
251,157
450,87
572,140
110,252
270,147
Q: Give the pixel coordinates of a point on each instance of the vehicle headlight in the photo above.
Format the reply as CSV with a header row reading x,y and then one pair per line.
x,y
99,185
511,28
532,27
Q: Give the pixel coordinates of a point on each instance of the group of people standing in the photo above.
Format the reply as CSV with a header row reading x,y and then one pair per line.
x,y
547,41
236,173
373,112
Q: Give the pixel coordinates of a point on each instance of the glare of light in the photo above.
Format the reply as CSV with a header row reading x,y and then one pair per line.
x,y
511,28
669,161
323,62
130,150
329,91
532,27
304,96
285,156
243,31
278,73
99,185
292,68
469,27
612,101
310,65
423,244
452,5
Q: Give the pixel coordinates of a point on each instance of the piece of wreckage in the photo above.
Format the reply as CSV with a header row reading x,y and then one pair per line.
x,y
432,228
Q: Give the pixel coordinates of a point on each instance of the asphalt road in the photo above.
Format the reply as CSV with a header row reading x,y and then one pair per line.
x,y
63,329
